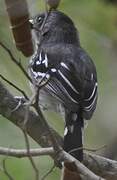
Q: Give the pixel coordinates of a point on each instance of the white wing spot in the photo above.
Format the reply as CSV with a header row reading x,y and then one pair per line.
x,y
41,74
46,60
65,131
47,76
53,70
38,62
40,57
71,128
64,65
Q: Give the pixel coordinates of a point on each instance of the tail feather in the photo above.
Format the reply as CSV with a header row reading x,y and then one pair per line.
x,y
73,136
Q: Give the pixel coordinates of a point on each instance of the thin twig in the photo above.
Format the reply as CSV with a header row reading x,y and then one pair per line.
x,y
27,142
14,86
87,149
21,153
18,63
48,173
96,149
29,155
6,171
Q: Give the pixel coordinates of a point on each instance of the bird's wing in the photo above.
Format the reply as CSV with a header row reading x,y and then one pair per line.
x,y
90,84
74,85
64,86
62,83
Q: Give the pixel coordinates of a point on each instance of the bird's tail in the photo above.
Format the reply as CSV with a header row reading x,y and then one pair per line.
x,y
73,135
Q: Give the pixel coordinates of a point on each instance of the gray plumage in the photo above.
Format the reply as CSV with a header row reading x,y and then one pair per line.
x,y
71,73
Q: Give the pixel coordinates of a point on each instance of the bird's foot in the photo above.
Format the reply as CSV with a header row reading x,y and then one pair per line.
x,y
21,101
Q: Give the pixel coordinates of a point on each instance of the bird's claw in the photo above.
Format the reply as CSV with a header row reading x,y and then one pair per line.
x,y
20,100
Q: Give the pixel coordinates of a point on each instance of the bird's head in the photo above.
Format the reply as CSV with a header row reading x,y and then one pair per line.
x,y
57,27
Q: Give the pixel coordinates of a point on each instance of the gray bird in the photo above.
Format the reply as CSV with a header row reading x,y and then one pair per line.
x,y
70,72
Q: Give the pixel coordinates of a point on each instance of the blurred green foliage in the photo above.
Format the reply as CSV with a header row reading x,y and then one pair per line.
x,y
97,26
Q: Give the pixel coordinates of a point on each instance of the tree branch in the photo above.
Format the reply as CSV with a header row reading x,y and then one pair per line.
x,y
14,86
6,171
63,156
100,165
82,169
34,127
29,155
22,153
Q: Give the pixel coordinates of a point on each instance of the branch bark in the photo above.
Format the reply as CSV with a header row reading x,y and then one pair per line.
x,y
101,166
35,128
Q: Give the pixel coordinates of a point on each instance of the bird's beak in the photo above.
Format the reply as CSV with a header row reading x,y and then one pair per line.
x,y
31,22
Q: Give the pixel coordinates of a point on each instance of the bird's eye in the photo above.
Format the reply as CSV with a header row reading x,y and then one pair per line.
x,y
39,20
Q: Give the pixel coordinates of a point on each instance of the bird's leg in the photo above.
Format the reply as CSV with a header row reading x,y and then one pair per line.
x,y
21,100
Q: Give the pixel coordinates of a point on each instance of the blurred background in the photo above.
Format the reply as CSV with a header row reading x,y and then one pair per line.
x,y
96,21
